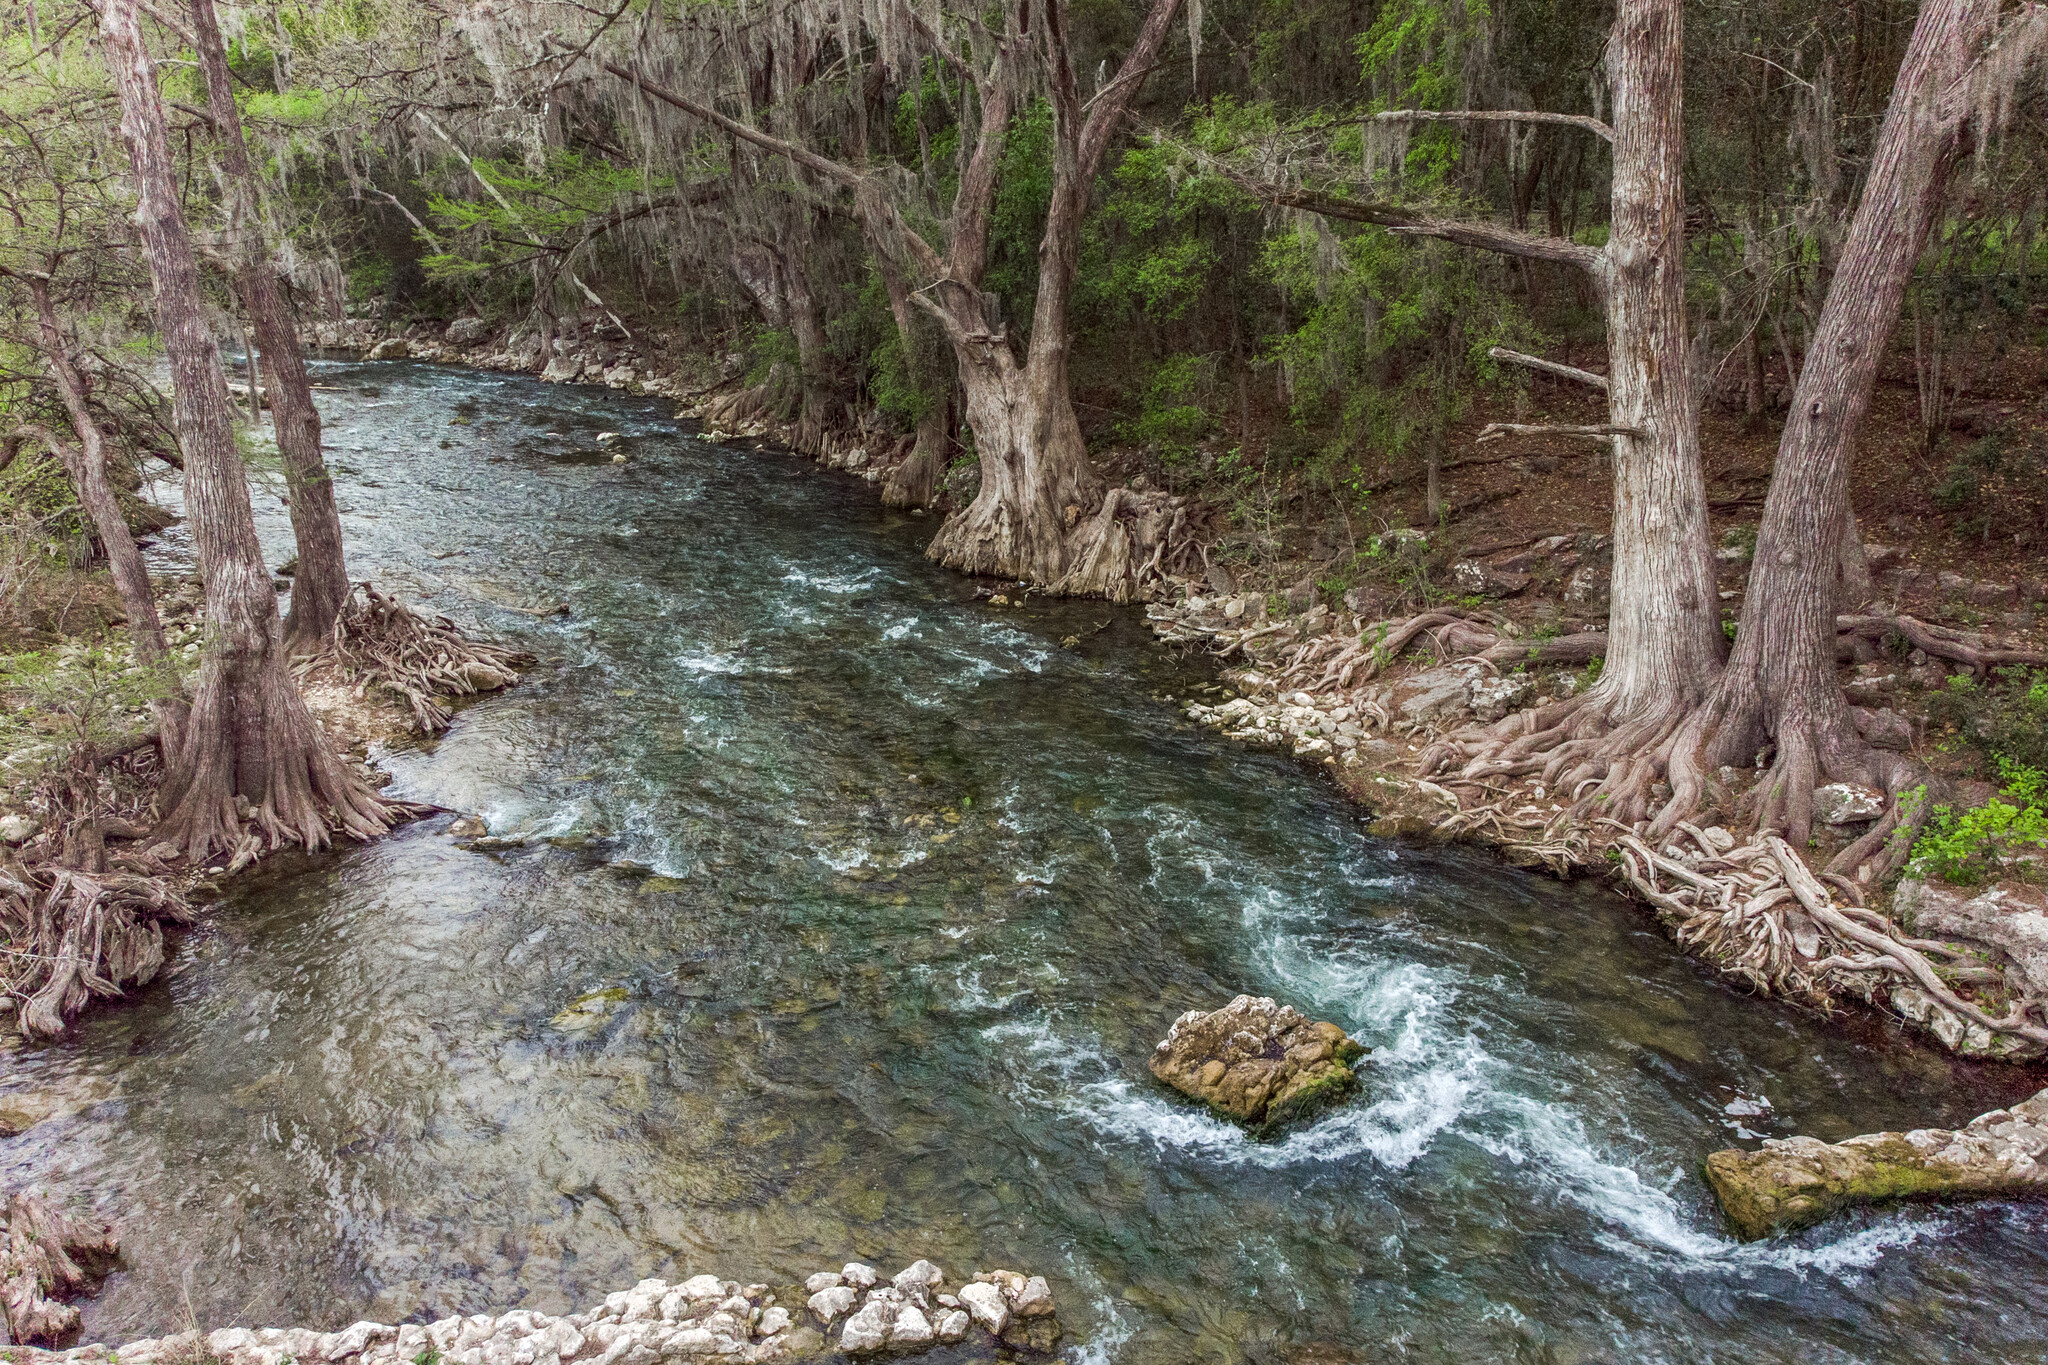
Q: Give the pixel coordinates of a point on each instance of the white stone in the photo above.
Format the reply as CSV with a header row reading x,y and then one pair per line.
x,y
985,1302
17,829
867,1330
1847,803
953,1325
1034,1300
824,1279
912,1328
774,1320
351,1340
828,1304
918,1273
858,1275
703,1287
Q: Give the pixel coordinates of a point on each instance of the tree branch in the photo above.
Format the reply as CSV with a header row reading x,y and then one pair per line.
x,y
1598,381
1497,430
1591,125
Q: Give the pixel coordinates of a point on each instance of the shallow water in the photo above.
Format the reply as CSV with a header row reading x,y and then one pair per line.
x,y
875,899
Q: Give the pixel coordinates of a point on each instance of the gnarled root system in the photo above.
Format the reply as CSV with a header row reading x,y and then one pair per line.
x,y
379,641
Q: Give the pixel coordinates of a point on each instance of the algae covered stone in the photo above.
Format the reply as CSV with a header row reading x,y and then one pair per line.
x,y
1792,1182
1259,1062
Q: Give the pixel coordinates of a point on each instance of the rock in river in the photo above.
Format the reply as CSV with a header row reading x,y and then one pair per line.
x,y
1259,1062
1792,1182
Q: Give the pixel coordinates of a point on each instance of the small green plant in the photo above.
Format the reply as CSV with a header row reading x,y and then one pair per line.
x,y
2008,714
1966,848
430,1356
1593,667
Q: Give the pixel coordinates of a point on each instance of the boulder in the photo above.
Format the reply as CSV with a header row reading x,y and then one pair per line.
x,y
985,1303
1436,694
1486,580
17,829
1301,596
1793,1182
1261,1063
390,348
1847,803
467,331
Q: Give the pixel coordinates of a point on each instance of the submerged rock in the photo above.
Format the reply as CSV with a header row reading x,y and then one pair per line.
x,y
1793,1182
1259,1062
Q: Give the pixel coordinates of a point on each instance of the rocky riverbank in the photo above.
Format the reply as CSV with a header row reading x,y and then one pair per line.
x,y
835,1313
1794,1182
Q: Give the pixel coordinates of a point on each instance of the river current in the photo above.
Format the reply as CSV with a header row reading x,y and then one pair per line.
x,y
847,911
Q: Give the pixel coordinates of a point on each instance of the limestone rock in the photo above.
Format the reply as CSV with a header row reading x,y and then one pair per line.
x,y
1847,803
828,1304
467,331
868,1330
2009,916
858,1275
953,1325
1793,1182
20,1112
1436,694
912,1328
823,1280
918,1275
985,1303
1257,1061
390,348
17,829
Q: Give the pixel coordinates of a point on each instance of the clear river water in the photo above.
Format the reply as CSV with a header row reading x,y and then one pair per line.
x,y
849,911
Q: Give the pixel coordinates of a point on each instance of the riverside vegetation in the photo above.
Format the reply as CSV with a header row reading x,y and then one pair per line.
x,y
1191,306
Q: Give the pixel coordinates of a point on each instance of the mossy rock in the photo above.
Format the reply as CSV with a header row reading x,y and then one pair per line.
x,y
1259,1063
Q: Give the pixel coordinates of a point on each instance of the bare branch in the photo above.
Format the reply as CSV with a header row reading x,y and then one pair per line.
x,y
1591,125
1498,430
1598,381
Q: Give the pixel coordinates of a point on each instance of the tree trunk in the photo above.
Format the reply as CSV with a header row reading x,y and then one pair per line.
x,y
88,470
320,588
250,735
814,358
1780,684
915,482
1666,642
1036,481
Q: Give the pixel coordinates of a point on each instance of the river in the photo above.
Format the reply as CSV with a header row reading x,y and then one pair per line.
x,y
849,911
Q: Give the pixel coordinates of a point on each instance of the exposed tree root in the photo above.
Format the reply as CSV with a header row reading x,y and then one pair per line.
x,y
1938,642
44,1259
1132,543
1759,913
74,935
379,641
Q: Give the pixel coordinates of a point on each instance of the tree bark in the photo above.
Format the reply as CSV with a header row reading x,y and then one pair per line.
x,y
1667,642
915,482
250,735
1780,684
320,588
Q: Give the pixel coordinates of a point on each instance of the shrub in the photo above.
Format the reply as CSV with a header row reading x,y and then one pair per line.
x,y
1969,847
2007,716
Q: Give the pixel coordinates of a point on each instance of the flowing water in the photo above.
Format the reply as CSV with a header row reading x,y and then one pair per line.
x,y
849,910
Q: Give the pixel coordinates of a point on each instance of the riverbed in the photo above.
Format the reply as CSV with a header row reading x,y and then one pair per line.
x,y
834,912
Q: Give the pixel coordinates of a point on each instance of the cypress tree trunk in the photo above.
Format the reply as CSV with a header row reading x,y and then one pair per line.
x,y
250,735
320,588
915,482
1666,642
1036,481
1780,685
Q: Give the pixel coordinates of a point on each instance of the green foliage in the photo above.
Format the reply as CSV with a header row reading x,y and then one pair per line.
x,y
1969,847
1170,418
1017,221
2006,716
69,702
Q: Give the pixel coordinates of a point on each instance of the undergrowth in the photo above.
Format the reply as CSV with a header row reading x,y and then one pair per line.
x,y
1971,846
